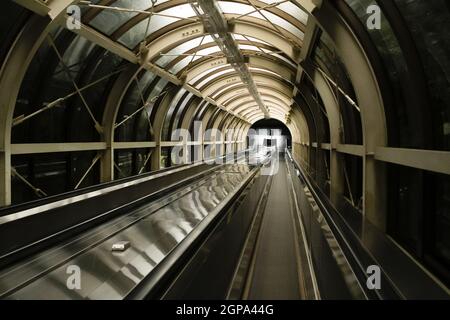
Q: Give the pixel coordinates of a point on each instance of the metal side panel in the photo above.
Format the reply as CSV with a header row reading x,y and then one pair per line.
x,y
113,275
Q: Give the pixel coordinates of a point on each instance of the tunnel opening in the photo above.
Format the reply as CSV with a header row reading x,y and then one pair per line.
x,y
270,133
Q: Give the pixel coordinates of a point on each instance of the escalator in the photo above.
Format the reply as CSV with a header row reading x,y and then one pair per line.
x,y
278,268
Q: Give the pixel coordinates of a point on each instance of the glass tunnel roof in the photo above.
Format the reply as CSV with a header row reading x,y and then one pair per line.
x,y
268,34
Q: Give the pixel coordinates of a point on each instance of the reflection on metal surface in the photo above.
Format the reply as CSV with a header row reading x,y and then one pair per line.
x,y
312,208
152,231
64,202
341,260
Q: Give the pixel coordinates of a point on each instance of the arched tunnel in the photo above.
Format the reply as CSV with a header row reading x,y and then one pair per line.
x,y
238,149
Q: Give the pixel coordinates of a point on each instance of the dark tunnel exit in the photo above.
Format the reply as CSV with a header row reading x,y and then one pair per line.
x,y
270,133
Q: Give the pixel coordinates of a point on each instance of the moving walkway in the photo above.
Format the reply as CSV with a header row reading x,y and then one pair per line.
x,y
155,221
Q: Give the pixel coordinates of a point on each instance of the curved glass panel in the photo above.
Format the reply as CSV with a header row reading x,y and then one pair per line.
x,y
194,57
181,111
403,115
291,9
46,80
183,64
239,8
171,55
428,23
169,114
210,51
138,32
49,79
146,78
158,89
108,21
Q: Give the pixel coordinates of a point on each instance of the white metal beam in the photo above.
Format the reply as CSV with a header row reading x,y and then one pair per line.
x,y
434,161
34,148
37,6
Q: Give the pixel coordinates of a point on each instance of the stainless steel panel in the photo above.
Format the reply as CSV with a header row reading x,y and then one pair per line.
x,y
153,232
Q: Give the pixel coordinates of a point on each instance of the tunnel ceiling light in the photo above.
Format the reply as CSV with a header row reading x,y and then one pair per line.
x,y
216,25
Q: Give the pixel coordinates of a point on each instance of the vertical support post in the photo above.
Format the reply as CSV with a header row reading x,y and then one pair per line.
x,y
199,136
158,126
112,106
156,157
5,177
107,163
